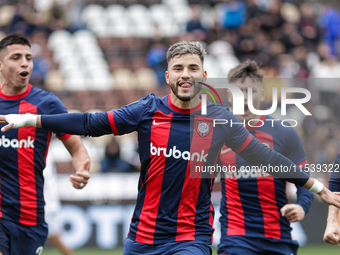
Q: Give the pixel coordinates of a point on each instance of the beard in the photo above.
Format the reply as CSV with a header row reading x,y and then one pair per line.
x,y
196,85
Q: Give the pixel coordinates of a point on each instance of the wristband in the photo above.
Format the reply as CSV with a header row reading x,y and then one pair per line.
x,y
317,187
21,120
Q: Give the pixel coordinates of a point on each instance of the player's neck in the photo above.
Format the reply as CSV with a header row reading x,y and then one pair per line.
x,y
12,89
185,104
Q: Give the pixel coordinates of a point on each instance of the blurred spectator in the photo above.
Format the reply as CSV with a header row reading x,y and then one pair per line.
x,y
41,61
112,161
309,27
233,14
194,26
330,23
156,59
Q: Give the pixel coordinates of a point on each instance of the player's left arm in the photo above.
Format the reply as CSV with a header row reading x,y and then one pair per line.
x,y
80,161
293,150
257,154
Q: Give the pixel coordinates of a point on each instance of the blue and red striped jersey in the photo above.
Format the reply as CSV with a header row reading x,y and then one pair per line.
x,y
173,202
334,178
251,201
23,153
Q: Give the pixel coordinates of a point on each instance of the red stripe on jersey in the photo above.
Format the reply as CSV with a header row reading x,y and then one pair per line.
x,y
64,137
266,191
160,132
186,226
245,144
112,123
271,215
234,206
211,221
302,164
28,194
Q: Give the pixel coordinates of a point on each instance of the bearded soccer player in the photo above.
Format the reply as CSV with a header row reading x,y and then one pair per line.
x,y
173,214
23,153
251,222
332,232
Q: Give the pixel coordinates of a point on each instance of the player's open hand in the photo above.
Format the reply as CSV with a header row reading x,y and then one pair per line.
x,y
293,212
329,197
82,176
332,233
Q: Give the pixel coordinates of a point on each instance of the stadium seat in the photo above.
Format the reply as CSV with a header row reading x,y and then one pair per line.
x,y
182,13
160,13
219,47
92,12
83,35
227,62
211,66
137,12
57,37
115,11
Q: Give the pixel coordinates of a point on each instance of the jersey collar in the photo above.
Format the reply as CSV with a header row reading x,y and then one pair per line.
x,y
16,97
181,110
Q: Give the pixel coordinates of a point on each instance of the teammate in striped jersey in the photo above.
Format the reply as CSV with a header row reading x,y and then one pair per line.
x,y
23,153
173,214
332,232
251,222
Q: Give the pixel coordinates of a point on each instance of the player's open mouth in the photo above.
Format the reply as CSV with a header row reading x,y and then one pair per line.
x,y
186,85
24,74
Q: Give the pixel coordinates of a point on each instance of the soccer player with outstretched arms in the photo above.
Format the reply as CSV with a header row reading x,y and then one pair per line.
x,y
173,214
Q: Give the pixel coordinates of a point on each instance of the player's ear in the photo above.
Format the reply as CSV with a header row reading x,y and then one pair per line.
x,y
205,76
167,77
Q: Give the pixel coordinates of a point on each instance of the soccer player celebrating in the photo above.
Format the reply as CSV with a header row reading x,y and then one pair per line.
x,y
173,214
332,232
23,152
251,203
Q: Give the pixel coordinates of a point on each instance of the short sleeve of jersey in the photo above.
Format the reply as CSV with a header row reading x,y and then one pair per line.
x,y
293,147
127,119
57,107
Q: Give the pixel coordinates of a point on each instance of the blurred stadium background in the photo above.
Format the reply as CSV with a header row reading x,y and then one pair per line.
x,y
101,55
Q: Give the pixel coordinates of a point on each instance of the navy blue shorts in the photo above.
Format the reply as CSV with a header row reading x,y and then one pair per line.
x,y
171,248
236,245
18,239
